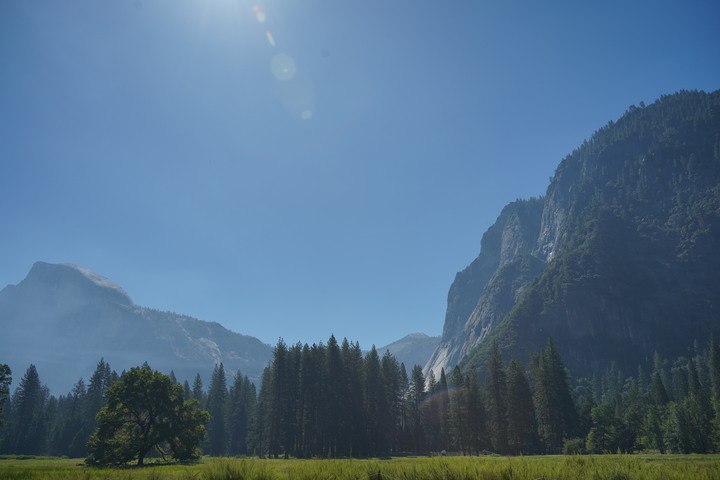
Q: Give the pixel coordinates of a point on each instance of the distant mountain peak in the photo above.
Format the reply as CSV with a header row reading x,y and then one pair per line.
x,y
57,274
63,317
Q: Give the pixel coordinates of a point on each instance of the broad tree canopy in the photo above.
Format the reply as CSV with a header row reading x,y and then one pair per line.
x,y
145,410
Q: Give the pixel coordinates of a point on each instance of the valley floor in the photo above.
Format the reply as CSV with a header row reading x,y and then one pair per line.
x,y
595,467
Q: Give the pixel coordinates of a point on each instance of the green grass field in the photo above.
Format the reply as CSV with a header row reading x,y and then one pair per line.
x,y
601,467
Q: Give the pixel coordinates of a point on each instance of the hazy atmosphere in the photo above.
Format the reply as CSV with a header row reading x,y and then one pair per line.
x,y
302,168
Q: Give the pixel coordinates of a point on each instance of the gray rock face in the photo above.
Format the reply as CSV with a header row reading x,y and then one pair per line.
x,y
64,318
618,260
486,290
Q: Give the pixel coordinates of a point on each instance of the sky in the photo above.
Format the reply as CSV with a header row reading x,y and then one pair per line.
x,y
304,168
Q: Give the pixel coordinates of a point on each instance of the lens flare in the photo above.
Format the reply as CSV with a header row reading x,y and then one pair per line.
x,y
259,14
306,114
270,38
283,67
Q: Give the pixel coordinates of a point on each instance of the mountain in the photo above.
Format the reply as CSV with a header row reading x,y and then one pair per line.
x,y
64,318
618,260
413,349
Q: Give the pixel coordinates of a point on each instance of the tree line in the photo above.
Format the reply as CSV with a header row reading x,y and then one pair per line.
x,y
333,400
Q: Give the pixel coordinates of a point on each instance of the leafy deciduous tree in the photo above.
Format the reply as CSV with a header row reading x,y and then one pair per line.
x,y
146,410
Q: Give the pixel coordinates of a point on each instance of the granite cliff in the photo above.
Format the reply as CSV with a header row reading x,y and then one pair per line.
x,y
618,260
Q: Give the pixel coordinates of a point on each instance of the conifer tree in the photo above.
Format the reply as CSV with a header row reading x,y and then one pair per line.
x,y
240,410
417,396
458,411
27,429
353,405
216,407
5,380
521,411
187,392
334,380
496,402
554,406
375,405
197,390
714,367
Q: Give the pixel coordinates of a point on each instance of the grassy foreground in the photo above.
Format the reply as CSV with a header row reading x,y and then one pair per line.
x,y
604,467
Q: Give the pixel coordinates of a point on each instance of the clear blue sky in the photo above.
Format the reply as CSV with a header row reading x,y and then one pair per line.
x,y
301,168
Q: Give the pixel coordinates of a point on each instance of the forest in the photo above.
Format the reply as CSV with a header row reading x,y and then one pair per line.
x,y
332,400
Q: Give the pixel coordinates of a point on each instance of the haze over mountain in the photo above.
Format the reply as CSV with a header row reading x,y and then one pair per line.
x,y
413,349
618,260
64,318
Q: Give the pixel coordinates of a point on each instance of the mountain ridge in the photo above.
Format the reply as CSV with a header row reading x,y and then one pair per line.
x,y
625,259
63,318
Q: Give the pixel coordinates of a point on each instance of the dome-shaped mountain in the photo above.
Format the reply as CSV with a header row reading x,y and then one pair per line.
x,y
63,318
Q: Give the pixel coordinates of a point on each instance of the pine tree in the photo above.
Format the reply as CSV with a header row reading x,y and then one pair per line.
x,y
458,411
375,406
521,411
240,409
197,390
391,416
27,429
496,402
417,396
186,390
714,367
100,381
334,380
476,416
216,407
353,405
5,380
554,406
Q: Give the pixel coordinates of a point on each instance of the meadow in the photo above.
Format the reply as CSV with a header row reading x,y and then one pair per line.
x,y
600,467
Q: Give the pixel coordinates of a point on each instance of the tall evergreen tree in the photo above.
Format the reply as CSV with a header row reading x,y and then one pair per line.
x,y
240,409
554,406
197,390
335,393
353,405
520,408
714,366
496,402
27,428
100,381
187,392
216,407
417,396
458,411
375,405
5,380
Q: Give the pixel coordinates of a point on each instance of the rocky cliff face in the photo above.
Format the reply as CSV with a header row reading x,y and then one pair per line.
x,y
618,260
64,318
486,290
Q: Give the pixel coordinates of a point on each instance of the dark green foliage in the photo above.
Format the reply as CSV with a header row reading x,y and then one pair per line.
x,y
554,405
520,408
197,390
5,380
146,410
496,400
216,407
26,430
240,410
714,367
